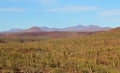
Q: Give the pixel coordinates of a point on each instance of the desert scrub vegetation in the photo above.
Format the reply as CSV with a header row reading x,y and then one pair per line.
x,y
97,53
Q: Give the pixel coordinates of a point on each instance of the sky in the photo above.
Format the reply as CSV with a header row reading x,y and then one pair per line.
x,y
58,13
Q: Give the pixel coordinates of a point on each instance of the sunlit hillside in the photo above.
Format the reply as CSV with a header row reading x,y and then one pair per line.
x,y
96,53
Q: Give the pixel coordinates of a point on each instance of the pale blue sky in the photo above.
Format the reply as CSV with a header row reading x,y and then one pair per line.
x,y
58,13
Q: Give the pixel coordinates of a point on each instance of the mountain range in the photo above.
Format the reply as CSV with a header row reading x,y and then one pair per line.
x,y
77,28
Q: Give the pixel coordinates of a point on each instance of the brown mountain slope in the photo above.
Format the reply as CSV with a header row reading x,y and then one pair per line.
x,y
48,34
115,29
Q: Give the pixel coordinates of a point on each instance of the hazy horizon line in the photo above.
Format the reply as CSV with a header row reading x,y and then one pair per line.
x,y
55,27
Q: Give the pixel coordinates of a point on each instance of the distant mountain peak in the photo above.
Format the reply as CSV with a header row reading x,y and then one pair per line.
x,y
34,29
88,28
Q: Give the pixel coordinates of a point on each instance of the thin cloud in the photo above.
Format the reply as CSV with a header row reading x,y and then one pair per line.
x,y
71,9
109,12
43,2
12,10
47,2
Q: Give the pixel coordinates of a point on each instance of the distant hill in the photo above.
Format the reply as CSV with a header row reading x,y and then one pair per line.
x,y
89,28
33,29
77,28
